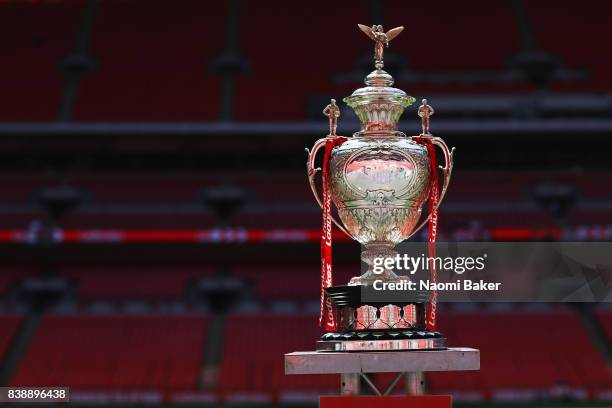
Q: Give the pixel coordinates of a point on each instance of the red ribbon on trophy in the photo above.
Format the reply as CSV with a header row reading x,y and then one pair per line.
x,y
434,197
327,320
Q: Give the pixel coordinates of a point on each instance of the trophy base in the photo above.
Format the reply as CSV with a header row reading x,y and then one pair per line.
x,y
381,341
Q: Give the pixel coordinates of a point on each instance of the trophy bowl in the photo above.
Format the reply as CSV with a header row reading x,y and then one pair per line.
x,y
379,184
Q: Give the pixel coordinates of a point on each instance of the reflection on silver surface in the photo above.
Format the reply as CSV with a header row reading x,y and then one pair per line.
x,y
386,317
382,345
379,186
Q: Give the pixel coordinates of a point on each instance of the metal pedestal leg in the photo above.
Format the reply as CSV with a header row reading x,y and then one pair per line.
x,y
350,384
415,383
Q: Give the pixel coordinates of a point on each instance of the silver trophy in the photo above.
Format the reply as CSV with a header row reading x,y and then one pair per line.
x,y
379,180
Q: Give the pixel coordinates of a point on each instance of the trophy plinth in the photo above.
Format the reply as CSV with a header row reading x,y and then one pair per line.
x,y
369,326
379,180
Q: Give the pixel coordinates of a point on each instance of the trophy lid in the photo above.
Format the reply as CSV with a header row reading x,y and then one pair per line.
x,y
379,105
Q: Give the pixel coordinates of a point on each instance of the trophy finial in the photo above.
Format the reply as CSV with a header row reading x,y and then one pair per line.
x,y
381,40
332,111
425,112
379,105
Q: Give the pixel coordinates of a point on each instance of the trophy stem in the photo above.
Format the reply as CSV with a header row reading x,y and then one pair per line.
x,y
374,255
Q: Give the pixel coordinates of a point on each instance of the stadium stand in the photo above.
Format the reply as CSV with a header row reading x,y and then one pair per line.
x,y
20,219
151,62
135,187
166,201
263,372
605,320
571,48
12,275
155,219
315,57
153,73
9,324
286,282
131,282
531,361
458,57
456,44
113,352
35,37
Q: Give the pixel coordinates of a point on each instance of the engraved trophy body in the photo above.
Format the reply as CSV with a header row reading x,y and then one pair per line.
x,y
379,180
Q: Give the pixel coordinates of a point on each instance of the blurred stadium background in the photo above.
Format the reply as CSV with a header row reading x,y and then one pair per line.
x,y
158,240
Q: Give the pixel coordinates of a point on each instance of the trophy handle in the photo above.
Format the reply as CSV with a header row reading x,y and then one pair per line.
x,y
446,174
312,171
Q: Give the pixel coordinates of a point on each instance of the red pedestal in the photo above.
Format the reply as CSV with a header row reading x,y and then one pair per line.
x,y
421,401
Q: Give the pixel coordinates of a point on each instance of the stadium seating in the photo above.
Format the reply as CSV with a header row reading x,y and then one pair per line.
x,y
605,320
34,38
539,352
140,187
550,20
12,275
9,324
166,74
484,37
174,201
244,371
153,73
163,352
114,352
125,282
290,282
316,55
530,361
20,220
482,41
135,219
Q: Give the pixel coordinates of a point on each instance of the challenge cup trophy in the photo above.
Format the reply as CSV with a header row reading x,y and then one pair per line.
x,y
379,180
